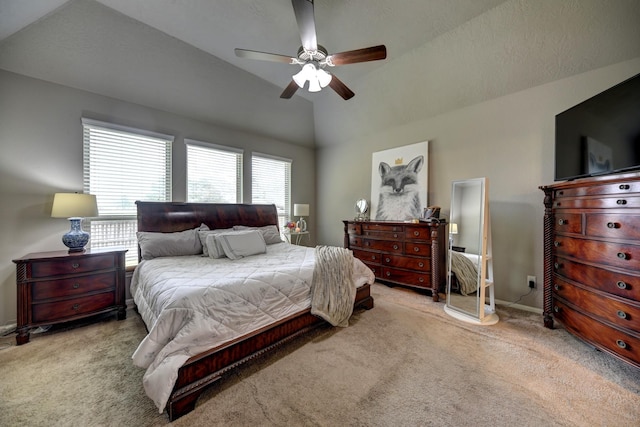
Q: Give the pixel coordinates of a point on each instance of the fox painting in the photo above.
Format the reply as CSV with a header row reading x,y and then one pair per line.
x,y
399,191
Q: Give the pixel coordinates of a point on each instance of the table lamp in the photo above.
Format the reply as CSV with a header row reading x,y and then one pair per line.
x,y
301,210
75,207
453,229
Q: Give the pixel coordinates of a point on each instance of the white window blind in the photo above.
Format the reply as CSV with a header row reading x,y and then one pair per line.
x,y
214,173
271,183
122,165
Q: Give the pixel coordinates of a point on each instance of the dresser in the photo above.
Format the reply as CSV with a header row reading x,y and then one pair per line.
x,y
401,253
592,261
55,287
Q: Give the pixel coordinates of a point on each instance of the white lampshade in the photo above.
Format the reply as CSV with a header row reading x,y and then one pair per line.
x,y
308,71
74,205
300,210
453,228
324,78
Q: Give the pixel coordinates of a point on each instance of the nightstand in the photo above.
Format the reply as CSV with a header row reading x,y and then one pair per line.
x,y
295,237
56,287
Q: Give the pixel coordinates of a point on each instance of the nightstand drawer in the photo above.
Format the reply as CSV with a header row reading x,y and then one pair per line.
x,y
58,310
71,265
72,286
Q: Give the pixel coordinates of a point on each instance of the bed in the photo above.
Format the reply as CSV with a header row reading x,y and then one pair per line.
x,y
202,363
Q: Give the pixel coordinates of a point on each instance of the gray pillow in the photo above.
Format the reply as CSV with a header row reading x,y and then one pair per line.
x,y
203,239
153,245
270,233
240,244
214,248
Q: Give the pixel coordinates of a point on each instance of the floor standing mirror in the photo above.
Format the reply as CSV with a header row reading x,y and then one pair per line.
x,y
470,291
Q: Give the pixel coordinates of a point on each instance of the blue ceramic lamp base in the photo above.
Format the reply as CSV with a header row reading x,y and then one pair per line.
x,y
76,239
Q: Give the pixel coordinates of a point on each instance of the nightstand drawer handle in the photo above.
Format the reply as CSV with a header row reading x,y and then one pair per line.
x,y
621,201
621,314
76,307
613,225
76,285
416,249
416,233
562,221
621,344
622,255
624,186
395,246
75,265
421,279
421,264
621,285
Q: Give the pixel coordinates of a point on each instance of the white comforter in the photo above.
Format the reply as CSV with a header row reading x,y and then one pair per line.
x,y
193,303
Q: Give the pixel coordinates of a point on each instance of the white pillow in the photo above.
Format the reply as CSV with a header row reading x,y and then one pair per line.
x,y
214,248
240,244
269,232
205,246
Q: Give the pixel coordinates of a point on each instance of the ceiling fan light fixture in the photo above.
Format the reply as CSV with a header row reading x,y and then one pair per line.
x,y
308,72
324,78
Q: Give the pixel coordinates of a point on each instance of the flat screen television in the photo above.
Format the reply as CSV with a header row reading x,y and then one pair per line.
x,y
601,135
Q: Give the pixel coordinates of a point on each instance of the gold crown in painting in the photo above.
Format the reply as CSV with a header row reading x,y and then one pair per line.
x,y
399,161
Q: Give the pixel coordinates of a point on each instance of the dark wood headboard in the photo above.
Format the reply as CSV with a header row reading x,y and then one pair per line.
x,y
174,216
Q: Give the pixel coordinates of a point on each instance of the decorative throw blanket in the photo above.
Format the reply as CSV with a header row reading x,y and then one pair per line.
x,y
333,290
466,272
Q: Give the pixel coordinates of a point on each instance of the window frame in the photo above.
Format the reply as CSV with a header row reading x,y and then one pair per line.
x,y
220,148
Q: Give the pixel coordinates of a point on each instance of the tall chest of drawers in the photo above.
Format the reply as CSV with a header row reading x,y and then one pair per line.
x,y
403,253
55,287
592,261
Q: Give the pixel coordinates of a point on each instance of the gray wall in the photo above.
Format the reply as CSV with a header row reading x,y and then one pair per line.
x,y
41,154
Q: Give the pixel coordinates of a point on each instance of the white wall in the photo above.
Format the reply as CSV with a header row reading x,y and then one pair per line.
x,y
41,154
509,140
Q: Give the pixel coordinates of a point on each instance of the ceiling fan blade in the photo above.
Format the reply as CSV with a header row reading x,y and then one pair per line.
x,y
306,23
289,90
340,88
373,53
263,56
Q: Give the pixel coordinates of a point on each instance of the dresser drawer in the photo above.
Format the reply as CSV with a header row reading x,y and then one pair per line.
x,y
368,257
381,227
623,285
423,249
54,311
621,202
406,277
354,228
614,254
595,190
383,245
71,265
411,263
613,225
355,241
568,223
418,233
602,336
384,235
72,286
617,312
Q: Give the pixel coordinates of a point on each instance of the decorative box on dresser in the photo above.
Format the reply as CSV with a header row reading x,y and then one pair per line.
x,y
592,261
59,286
409,254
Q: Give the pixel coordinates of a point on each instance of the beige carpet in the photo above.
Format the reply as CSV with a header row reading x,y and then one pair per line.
x,y
404,363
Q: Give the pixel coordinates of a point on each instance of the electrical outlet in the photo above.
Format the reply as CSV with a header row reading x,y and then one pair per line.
x,y
531,281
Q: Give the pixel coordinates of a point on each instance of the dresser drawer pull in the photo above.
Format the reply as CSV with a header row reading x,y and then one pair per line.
x,y
395,235
621,285
556,243
556,287
416,233
76,307
395,247
388,274
373,257
621,201
367,244
557,265
556,309
560,193
387,259
624,186
75,265
421,264
622,255
562,221
558,204
613,225
421,279
76,285
621,344
416,249
621,314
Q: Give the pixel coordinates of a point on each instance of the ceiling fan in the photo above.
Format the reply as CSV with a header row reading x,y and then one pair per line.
x,y
314,58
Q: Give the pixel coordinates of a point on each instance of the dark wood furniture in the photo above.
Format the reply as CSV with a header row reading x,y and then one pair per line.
x,y
409,254
204,369
55,287
592,261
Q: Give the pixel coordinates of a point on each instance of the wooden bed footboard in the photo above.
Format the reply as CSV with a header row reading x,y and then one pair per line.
x,y
207,367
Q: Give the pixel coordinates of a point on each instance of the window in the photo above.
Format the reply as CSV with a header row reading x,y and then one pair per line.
x,y
122,165
214,173
271,183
